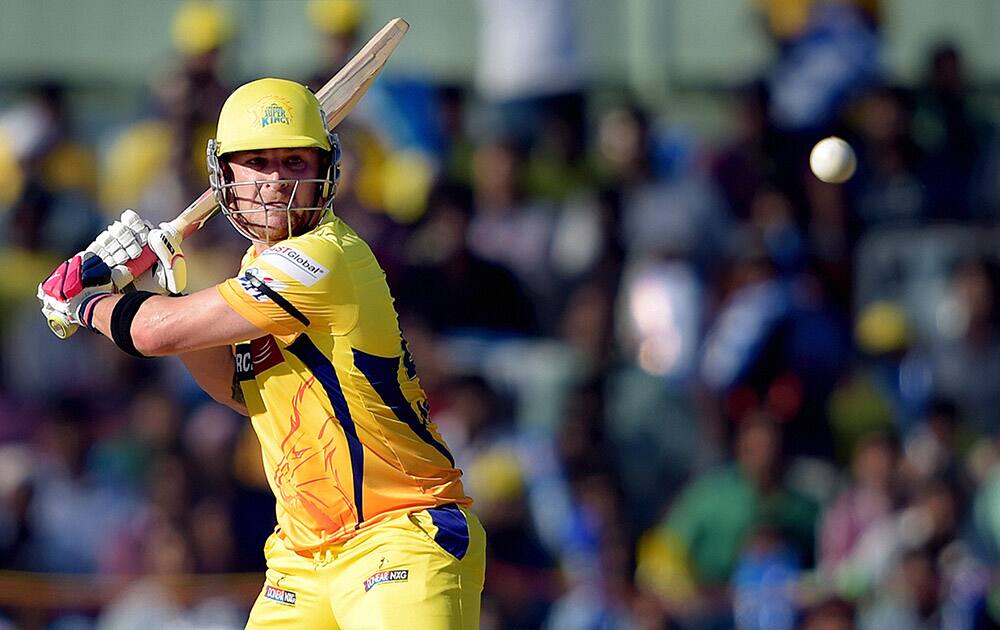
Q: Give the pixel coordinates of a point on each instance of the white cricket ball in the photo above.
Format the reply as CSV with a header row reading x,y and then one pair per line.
x,y
832,160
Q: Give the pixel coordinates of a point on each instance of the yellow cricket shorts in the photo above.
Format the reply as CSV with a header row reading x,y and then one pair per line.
x,y
423,570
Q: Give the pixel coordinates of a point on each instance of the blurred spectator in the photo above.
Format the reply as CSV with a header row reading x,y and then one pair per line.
x,y
148,428
692,554
138,171
156,601
191,95
772,223
928,525
456,144
934,450
765,581
55,210
598,562
338,22
774,344
950,132
587,244
521,573
681,215
869,499
72,516
985,510
889,388
556,166
748,162
586,326
15,500
912,600
967,360
529,66
891,191
471,420
450,286
833,57
508,227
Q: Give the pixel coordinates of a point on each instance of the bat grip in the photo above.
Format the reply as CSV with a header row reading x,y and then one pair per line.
x,y
142,263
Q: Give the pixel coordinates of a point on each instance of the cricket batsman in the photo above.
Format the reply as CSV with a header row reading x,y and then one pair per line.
x,y
374,528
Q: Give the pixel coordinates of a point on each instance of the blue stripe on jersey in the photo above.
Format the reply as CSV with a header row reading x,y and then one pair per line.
x,y
322,368
382,373
452,529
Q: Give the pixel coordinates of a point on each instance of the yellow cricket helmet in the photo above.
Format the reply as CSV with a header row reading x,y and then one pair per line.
x,y
271,114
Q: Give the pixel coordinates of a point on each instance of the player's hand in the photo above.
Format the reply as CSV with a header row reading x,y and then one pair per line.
x,y
69,294
130,243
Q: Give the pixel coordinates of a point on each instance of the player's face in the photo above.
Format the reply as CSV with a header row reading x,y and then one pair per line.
x,y
272,179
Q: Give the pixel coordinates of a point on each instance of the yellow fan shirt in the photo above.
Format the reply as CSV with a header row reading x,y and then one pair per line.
x,y
332,390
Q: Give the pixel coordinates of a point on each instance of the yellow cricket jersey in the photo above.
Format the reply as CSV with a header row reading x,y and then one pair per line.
x,y
332,391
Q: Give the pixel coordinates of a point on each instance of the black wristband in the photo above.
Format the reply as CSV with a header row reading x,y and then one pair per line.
x,y
121,321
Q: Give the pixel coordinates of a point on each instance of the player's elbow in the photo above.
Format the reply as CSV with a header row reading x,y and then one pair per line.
x,y
154,336
148,342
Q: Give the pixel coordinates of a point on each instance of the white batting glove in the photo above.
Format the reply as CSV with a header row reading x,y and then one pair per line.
x,y
123,243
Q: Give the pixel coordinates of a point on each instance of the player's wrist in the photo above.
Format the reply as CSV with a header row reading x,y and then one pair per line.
x,y
88,306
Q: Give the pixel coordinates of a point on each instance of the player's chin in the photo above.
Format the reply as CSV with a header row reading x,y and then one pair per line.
x,y
277,227
268,233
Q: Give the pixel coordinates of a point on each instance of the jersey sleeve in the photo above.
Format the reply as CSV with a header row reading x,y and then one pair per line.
x,y
292,287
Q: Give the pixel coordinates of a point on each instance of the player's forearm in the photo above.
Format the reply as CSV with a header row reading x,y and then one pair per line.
x,y
150,330
164,326
214,370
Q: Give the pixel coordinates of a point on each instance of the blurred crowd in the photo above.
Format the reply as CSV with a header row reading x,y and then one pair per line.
x,y
689,384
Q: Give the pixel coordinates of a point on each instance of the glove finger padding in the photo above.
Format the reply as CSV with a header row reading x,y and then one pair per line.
x,y
122,240
110,249
136,223
129,241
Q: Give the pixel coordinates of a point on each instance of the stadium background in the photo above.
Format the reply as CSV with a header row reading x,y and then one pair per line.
x,y
690,385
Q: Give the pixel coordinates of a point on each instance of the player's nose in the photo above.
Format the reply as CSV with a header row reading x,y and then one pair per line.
x,y
275,179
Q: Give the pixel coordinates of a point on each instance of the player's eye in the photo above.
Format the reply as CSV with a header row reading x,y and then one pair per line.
x,y
256,162
295,162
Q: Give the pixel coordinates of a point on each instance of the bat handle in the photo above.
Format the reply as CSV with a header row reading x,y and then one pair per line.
x,y
60,327
142,263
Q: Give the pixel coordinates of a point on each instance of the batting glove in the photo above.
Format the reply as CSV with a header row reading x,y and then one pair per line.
x,y
128,243
69,294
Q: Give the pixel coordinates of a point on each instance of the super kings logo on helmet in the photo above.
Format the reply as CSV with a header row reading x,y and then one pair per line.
x,y
271,110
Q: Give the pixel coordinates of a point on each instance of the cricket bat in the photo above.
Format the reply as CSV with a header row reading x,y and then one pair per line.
x,y
337,98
